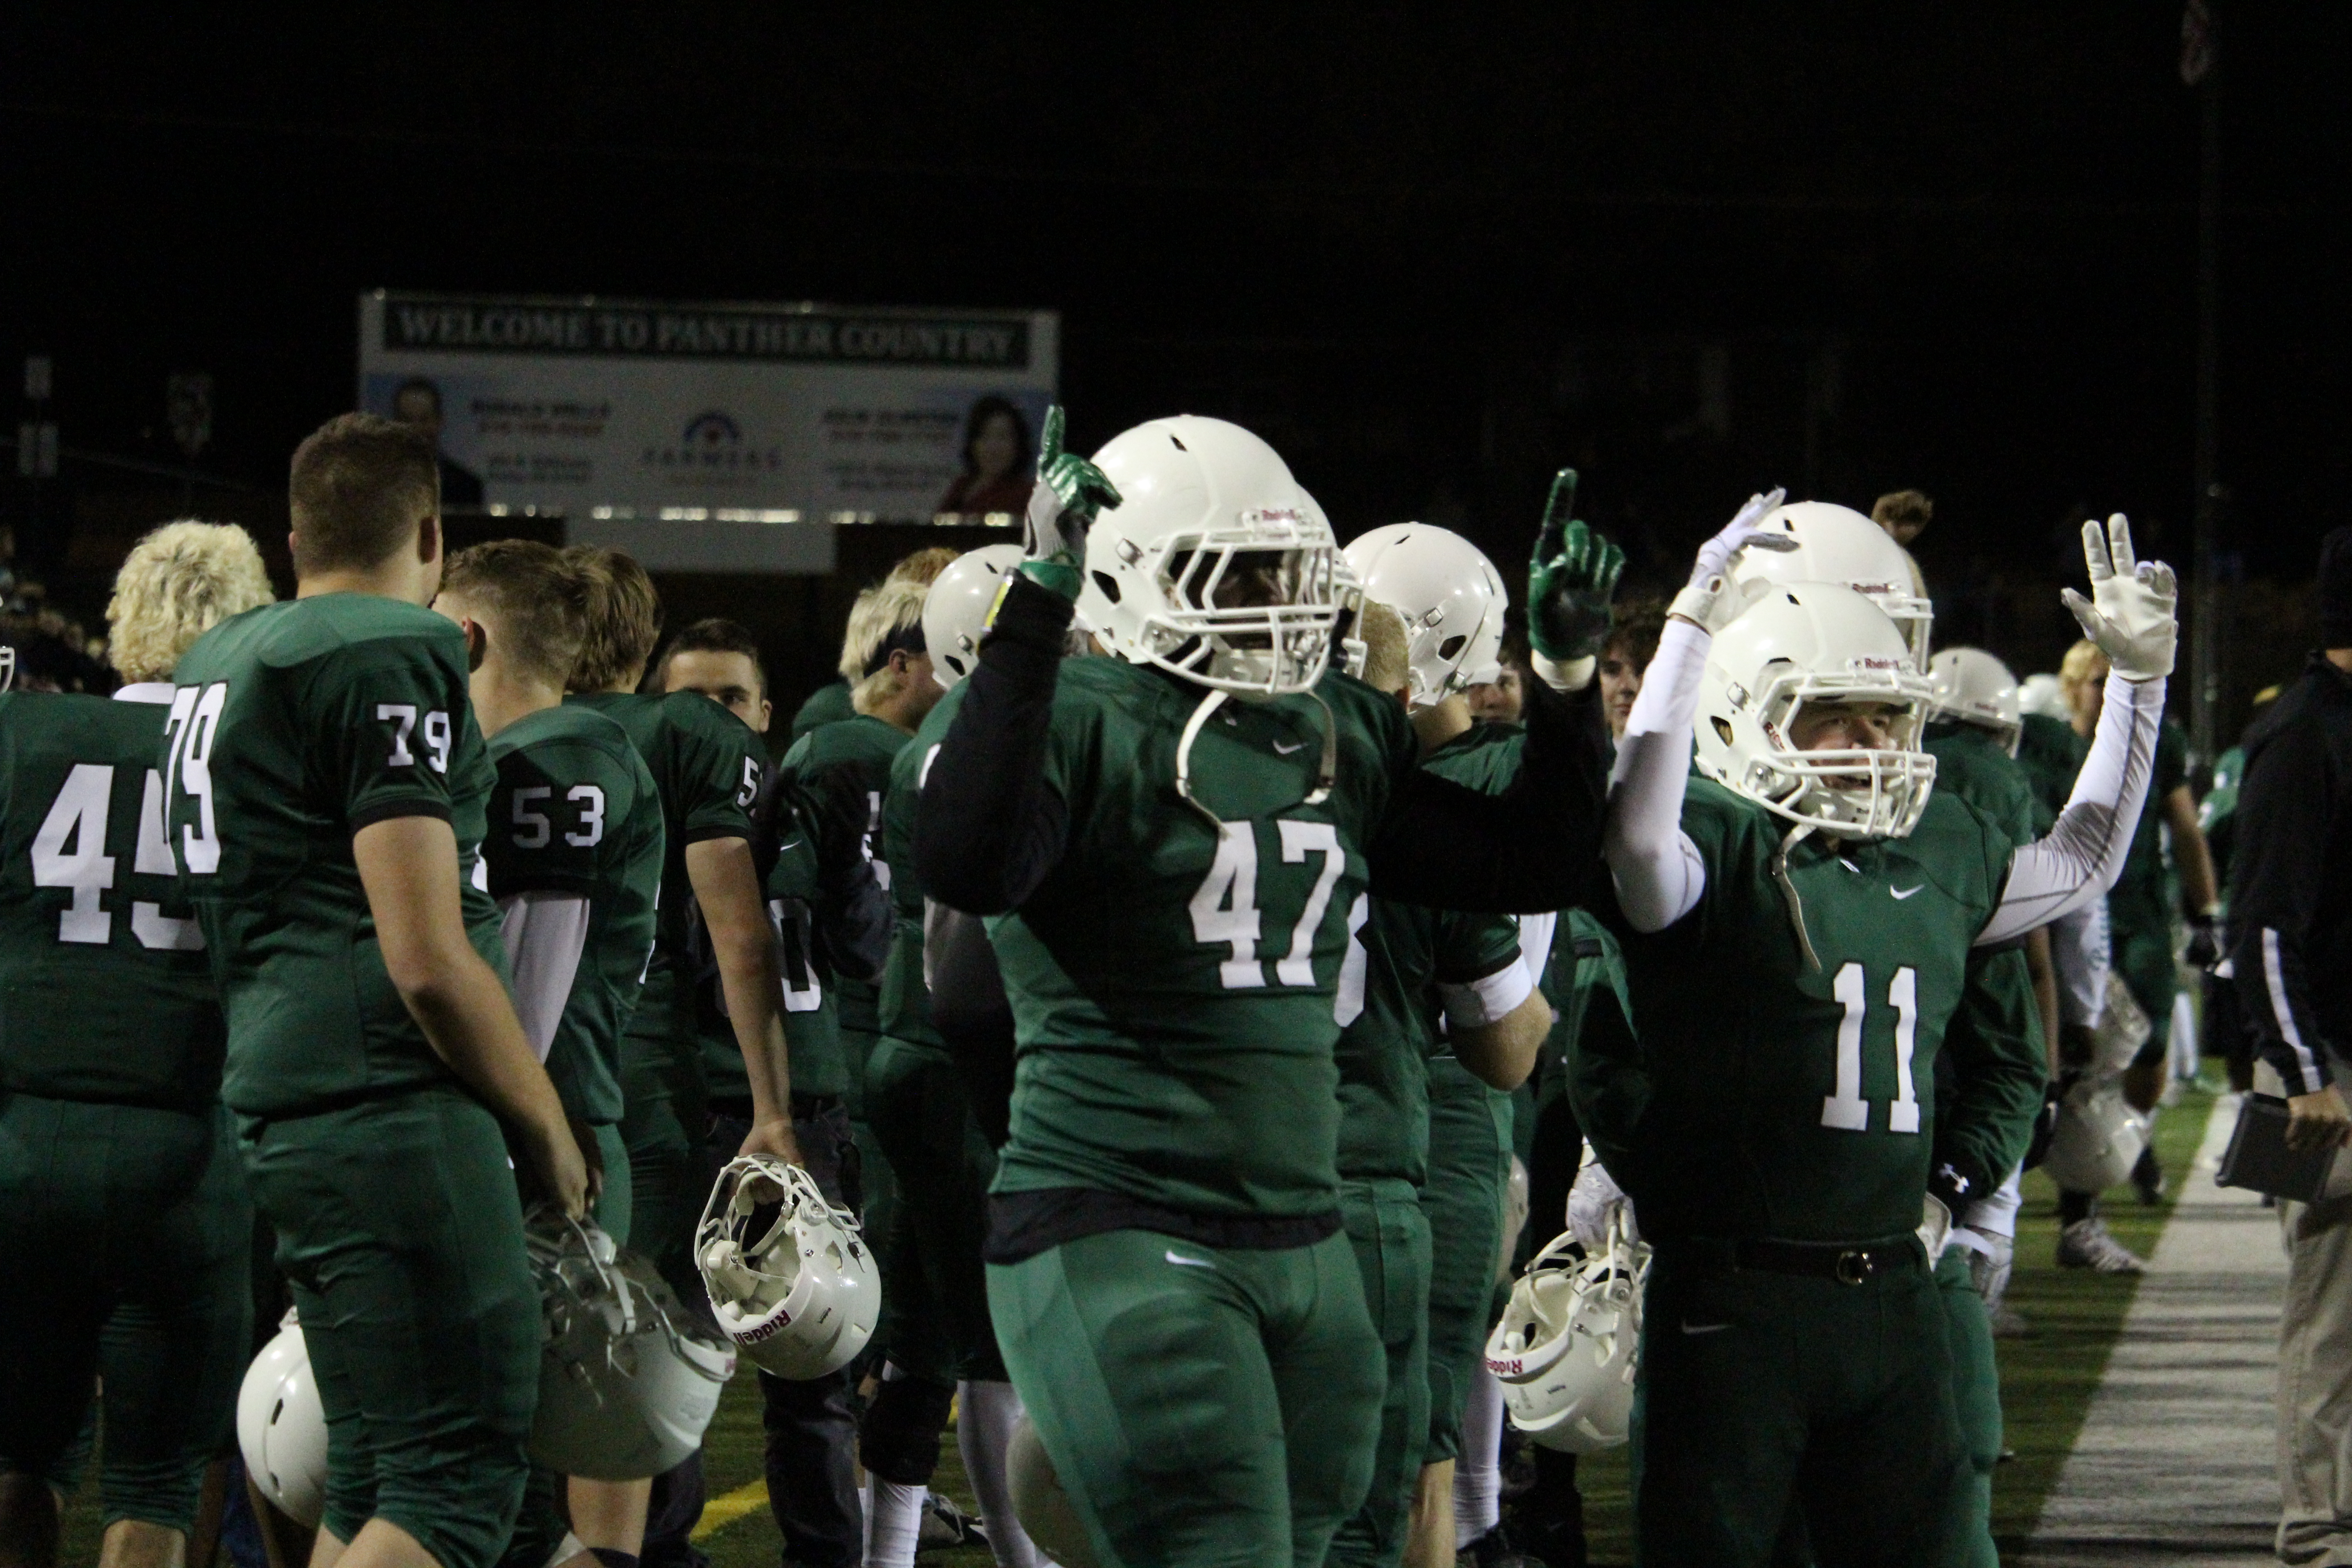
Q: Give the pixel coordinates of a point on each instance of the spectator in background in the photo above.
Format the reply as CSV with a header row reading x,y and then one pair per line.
x,y
2224,1028
831,701
2290,946
1498,701
1903,515
418,403
1636,626
997,475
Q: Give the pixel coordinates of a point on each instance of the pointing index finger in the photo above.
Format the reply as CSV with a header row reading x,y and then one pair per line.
x,y
1049,445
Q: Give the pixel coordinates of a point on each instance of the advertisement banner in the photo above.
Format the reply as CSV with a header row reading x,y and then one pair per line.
x,y
636,411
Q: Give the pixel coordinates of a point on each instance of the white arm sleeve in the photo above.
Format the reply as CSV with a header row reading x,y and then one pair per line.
x,y
1534,944
2080,857
1474,1003
545,934
1655,867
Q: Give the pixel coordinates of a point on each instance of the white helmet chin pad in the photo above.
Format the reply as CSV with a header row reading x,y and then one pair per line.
x,y
1835,545
1815,643
1203,504
627,1379
957,608
1451,598
1565,1349
790,1277
1972,686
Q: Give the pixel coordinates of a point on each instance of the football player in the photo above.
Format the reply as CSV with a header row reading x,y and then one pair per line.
x,y
1404,966
123,1215
838,776
707,768
1170,840
831,702
1794,1346
811,1425
2139,910
575,855
325,790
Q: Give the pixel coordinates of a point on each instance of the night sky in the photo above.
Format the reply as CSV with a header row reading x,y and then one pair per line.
x,y
1696,250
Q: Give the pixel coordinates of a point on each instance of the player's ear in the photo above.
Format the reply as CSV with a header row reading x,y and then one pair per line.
x,y
428,539
477,643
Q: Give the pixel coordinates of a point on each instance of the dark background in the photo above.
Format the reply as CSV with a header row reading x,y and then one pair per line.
x,y
1431,254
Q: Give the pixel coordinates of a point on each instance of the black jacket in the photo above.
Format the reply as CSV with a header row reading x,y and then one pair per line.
x,y
2291,880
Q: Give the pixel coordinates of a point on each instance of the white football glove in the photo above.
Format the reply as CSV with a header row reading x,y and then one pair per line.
x,y
1697,600
2131,611
1991,1256
1934,1227
1591,1200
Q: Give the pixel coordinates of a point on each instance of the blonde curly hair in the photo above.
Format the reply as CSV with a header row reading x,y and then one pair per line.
x,y
176,584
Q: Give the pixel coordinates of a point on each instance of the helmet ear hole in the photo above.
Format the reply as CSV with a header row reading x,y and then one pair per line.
x,y
1109,584
1451,646
1722,729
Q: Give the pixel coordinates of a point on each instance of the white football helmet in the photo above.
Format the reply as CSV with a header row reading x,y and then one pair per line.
x,y
1040,1504
281,1429
1564,1351
1197,496
789,1276
2043,696
2098,1138
1815,642
957,608
627,1379
1451,598
1835,545
1974,687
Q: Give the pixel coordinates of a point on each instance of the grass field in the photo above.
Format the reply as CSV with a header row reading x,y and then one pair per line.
x,y
2047,1381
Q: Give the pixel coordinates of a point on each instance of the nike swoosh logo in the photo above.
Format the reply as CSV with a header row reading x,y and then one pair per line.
x,y
792,843
1689,1328
1286,751
1901,893
1190,1262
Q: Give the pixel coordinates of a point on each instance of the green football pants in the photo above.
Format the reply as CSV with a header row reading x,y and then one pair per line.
x,y
125,1235
665,1114
619,1196
2143,956
399,1233
934,1289
1470,1131
1201,1405
875,1180
1758,1390
1390,1235
1976,1397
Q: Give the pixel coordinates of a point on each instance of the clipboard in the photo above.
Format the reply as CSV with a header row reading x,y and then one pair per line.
x,y
2259,1160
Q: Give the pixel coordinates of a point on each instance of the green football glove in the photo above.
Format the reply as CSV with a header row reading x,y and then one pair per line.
x,y
1569,580
1071,493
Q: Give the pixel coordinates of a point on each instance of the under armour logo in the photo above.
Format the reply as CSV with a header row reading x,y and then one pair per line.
x,y
1959,1183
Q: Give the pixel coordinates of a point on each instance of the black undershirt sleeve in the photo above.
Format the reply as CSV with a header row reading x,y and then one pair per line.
x,y
991,828
1533,847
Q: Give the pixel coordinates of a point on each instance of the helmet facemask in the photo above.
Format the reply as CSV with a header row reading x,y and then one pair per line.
x,y
1851,791
1250,609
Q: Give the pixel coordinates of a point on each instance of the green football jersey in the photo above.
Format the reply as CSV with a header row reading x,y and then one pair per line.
x,y
838,775
1173,977
576,812
1973,764
1387,1010
812,1048
295,726
2217,814
2142,899
828,704
705,764
905,1000
105,991
1787,1099
2051,754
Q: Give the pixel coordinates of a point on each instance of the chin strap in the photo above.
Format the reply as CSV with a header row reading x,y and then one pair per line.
x,y
1327,774
1797,836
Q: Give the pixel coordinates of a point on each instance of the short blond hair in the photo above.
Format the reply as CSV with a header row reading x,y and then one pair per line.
x,y
176,584
1388,647
923,566
2083,663
889,611
539,598
623,618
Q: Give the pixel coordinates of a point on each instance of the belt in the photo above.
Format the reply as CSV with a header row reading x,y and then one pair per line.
x,y
1828,1260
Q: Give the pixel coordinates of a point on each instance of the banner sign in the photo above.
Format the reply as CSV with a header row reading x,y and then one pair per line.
x,y
645,410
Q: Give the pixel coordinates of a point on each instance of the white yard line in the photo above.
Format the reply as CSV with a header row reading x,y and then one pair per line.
x,y
2175,1463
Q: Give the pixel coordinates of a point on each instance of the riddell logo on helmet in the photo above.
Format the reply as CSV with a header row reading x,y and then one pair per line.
x,y
1506,1366
766,1330
1873,661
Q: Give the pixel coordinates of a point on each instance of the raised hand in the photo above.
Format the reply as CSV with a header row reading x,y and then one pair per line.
x,y
1071,493
2132,613
1571,579
1695,603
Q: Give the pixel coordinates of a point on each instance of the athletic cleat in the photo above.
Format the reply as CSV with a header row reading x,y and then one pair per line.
x,y
2085,1244
2147,1178
946,1526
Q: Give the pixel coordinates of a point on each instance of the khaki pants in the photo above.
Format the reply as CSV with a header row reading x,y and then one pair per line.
x,y
2315,1374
